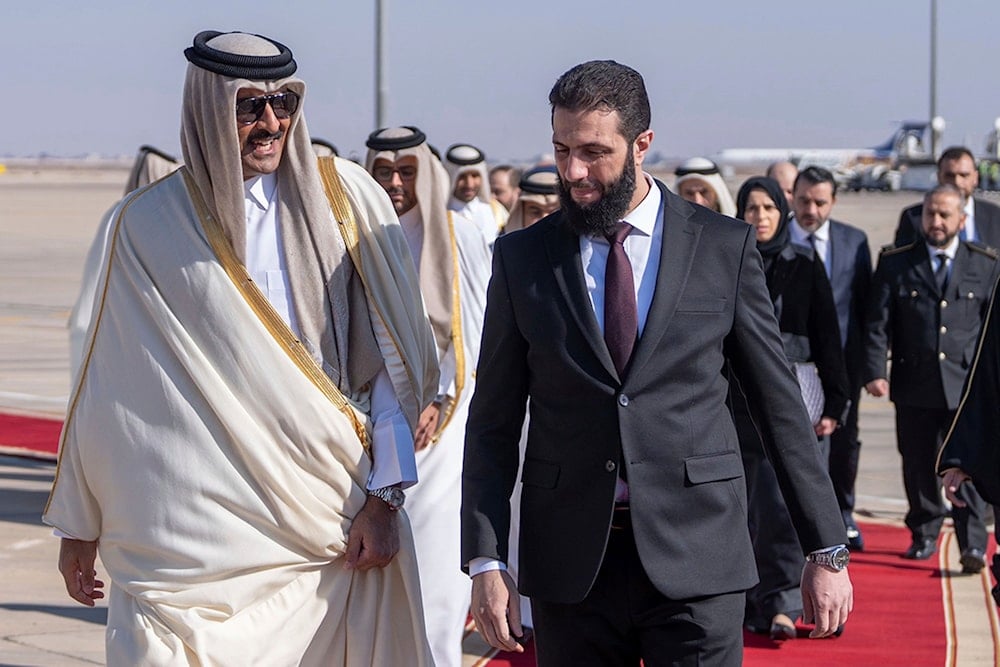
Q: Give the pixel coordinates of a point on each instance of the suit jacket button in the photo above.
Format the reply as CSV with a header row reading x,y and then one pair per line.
x,y
623,400
944,329
610,465
970,295
942,356
944,304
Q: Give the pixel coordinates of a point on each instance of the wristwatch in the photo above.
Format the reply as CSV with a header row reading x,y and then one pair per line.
x,y
393,496
836,559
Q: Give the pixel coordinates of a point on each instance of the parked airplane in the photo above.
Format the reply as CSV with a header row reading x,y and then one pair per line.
x,y
910,143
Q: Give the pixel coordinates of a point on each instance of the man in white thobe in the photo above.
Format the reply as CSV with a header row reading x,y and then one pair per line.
x,y
241,429
453,262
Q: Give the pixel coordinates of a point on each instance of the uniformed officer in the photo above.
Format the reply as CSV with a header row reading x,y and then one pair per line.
x,y
927,304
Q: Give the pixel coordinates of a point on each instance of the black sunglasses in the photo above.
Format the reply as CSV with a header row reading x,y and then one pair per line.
x,y
250,109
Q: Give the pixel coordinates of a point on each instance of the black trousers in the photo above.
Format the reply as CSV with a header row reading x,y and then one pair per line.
x,y
776,546
845,452
919,434
625,619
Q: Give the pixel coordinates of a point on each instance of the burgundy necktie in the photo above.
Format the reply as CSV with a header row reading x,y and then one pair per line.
x,y
621,321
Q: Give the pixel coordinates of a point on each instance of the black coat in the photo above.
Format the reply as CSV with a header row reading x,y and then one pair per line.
x,y
666,418
974,441
807,319
932,336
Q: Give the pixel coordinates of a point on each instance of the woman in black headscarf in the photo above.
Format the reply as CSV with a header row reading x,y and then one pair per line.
x,y
807,318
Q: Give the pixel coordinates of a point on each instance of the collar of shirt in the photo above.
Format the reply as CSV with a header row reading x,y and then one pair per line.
x,y
801,236
260,190
642,217
948,250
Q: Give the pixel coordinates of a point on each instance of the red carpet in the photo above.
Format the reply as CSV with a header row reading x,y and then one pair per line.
x,y
32,436
898,618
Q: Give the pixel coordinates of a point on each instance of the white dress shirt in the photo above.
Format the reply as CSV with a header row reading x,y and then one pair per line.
x,y
821,240
949,251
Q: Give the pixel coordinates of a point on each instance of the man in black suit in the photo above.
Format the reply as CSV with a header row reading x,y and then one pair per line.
x,y
617,317
848,263
927,304
957,167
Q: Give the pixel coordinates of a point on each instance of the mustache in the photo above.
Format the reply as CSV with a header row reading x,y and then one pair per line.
x,y
582,184
262,135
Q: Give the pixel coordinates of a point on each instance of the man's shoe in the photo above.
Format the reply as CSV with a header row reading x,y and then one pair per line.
x,y
921,549
782,628
855,542
973,561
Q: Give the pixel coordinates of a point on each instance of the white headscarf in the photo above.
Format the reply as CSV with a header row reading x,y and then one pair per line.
x,y
436,260
328,298
462,158
703,169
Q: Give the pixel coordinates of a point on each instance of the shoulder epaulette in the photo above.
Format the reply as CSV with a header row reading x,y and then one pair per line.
x,y
992,253
890,249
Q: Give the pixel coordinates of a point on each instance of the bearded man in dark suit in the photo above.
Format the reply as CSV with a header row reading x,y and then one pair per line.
x,y
956,167
617,317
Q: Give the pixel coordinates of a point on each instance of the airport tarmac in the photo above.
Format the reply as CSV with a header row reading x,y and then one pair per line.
x,y
47,219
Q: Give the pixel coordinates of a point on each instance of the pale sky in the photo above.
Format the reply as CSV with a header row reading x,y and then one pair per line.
x,y
105,77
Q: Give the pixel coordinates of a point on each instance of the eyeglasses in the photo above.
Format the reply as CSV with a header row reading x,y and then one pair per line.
x,y
384,174
250,109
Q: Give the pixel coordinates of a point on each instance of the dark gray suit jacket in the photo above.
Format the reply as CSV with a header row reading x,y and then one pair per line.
x,y
850,278
667,417
987,224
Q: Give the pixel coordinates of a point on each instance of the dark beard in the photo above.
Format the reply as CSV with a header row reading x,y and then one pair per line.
x,y
602,216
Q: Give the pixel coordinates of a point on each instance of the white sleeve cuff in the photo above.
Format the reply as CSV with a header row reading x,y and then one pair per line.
x,y
483,564
63,536
393,459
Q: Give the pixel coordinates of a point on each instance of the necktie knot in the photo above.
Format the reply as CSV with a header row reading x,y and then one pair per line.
x,y
622,230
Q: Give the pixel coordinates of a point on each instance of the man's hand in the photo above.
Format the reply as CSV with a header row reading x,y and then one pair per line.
x,y
827,598
76,564
496,606
374,536
878,388
952,480
826,426
426,426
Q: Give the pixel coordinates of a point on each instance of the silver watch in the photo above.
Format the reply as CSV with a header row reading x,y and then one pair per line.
x,y
835,559
393,496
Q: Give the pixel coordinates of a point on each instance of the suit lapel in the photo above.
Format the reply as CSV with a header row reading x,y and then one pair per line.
x,y
563,248
837,243
680,239
962,259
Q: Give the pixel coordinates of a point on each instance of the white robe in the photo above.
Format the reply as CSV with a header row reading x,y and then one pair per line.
x,y
435,502
222,503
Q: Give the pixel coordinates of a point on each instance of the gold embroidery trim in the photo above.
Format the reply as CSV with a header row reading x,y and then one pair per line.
x,y
272,321
343,212
456,331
